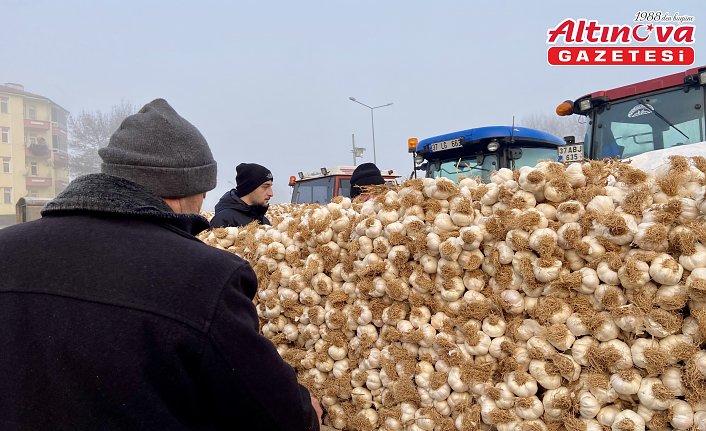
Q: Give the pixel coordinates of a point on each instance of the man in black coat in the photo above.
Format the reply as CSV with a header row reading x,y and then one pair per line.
x,y
115,317
248,201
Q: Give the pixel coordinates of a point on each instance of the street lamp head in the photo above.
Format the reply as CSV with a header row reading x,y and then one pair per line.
x,y
372,121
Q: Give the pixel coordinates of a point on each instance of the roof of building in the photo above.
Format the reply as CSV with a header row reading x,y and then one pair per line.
x,y
12,90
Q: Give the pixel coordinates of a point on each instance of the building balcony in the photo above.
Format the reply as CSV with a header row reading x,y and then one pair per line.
x,y
38,151
60,184
37,124
58,128
61,159
38,182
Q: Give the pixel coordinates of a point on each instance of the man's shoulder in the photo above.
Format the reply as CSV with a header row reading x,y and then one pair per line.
x,y
15,229
230,217
24,231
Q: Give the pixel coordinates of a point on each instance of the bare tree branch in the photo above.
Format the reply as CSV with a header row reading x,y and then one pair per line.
x,y
90,131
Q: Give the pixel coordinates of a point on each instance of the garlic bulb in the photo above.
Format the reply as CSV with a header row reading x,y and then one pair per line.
x,y
494,326
671,344
626,382
682,415
531,180
521,384
574,175
654,395
700,420
581,347
652,236
588,405
628,420
694,260
589,281
671,297
635,273
607,329
560,337
607,414
543,240
672,380
555,402
576,325
529,408
664,269
538,370
621,351
513,302
601,204
504,397
569,212
590,249
607,274
637,350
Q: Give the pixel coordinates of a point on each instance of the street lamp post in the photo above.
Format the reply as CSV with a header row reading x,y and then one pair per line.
x,y
372,121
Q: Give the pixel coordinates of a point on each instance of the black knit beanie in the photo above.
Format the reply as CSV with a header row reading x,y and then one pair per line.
x,y
366,174
161,151
249,176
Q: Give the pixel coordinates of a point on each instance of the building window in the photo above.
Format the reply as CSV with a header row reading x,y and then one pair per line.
x,y
33,169
6,166
7,195
5,135
4,103
31,112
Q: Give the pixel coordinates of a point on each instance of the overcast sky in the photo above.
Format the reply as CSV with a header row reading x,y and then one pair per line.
x,y
269,81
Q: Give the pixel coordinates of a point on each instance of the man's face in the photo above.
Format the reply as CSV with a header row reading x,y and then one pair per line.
x,y
262,194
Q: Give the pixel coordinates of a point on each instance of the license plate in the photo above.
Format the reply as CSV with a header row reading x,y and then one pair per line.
x,y
446,145
570,153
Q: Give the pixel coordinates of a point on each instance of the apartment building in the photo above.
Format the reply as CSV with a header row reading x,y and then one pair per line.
x,y
33,148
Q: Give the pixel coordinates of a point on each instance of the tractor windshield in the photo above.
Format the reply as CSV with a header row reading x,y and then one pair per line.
x,y
483,165
533,155
464,167
648,122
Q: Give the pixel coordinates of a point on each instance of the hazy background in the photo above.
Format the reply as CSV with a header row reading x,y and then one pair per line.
x,y
269,81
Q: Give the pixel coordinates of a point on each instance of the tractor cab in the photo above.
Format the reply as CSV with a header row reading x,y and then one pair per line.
x,y
479,152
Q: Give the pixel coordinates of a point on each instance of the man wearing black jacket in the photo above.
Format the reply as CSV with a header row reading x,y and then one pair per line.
x,y
248,201
115,317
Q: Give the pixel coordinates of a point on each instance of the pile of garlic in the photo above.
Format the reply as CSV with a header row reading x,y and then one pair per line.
x,y
554,297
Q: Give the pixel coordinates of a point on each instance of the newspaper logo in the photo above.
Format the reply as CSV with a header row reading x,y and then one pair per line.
x,y
656,39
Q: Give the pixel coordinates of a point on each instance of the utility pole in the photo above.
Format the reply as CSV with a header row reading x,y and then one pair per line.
x,y
357,151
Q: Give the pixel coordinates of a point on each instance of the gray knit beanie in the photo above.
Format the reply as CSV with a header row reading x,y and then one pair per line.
x,y
162,152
